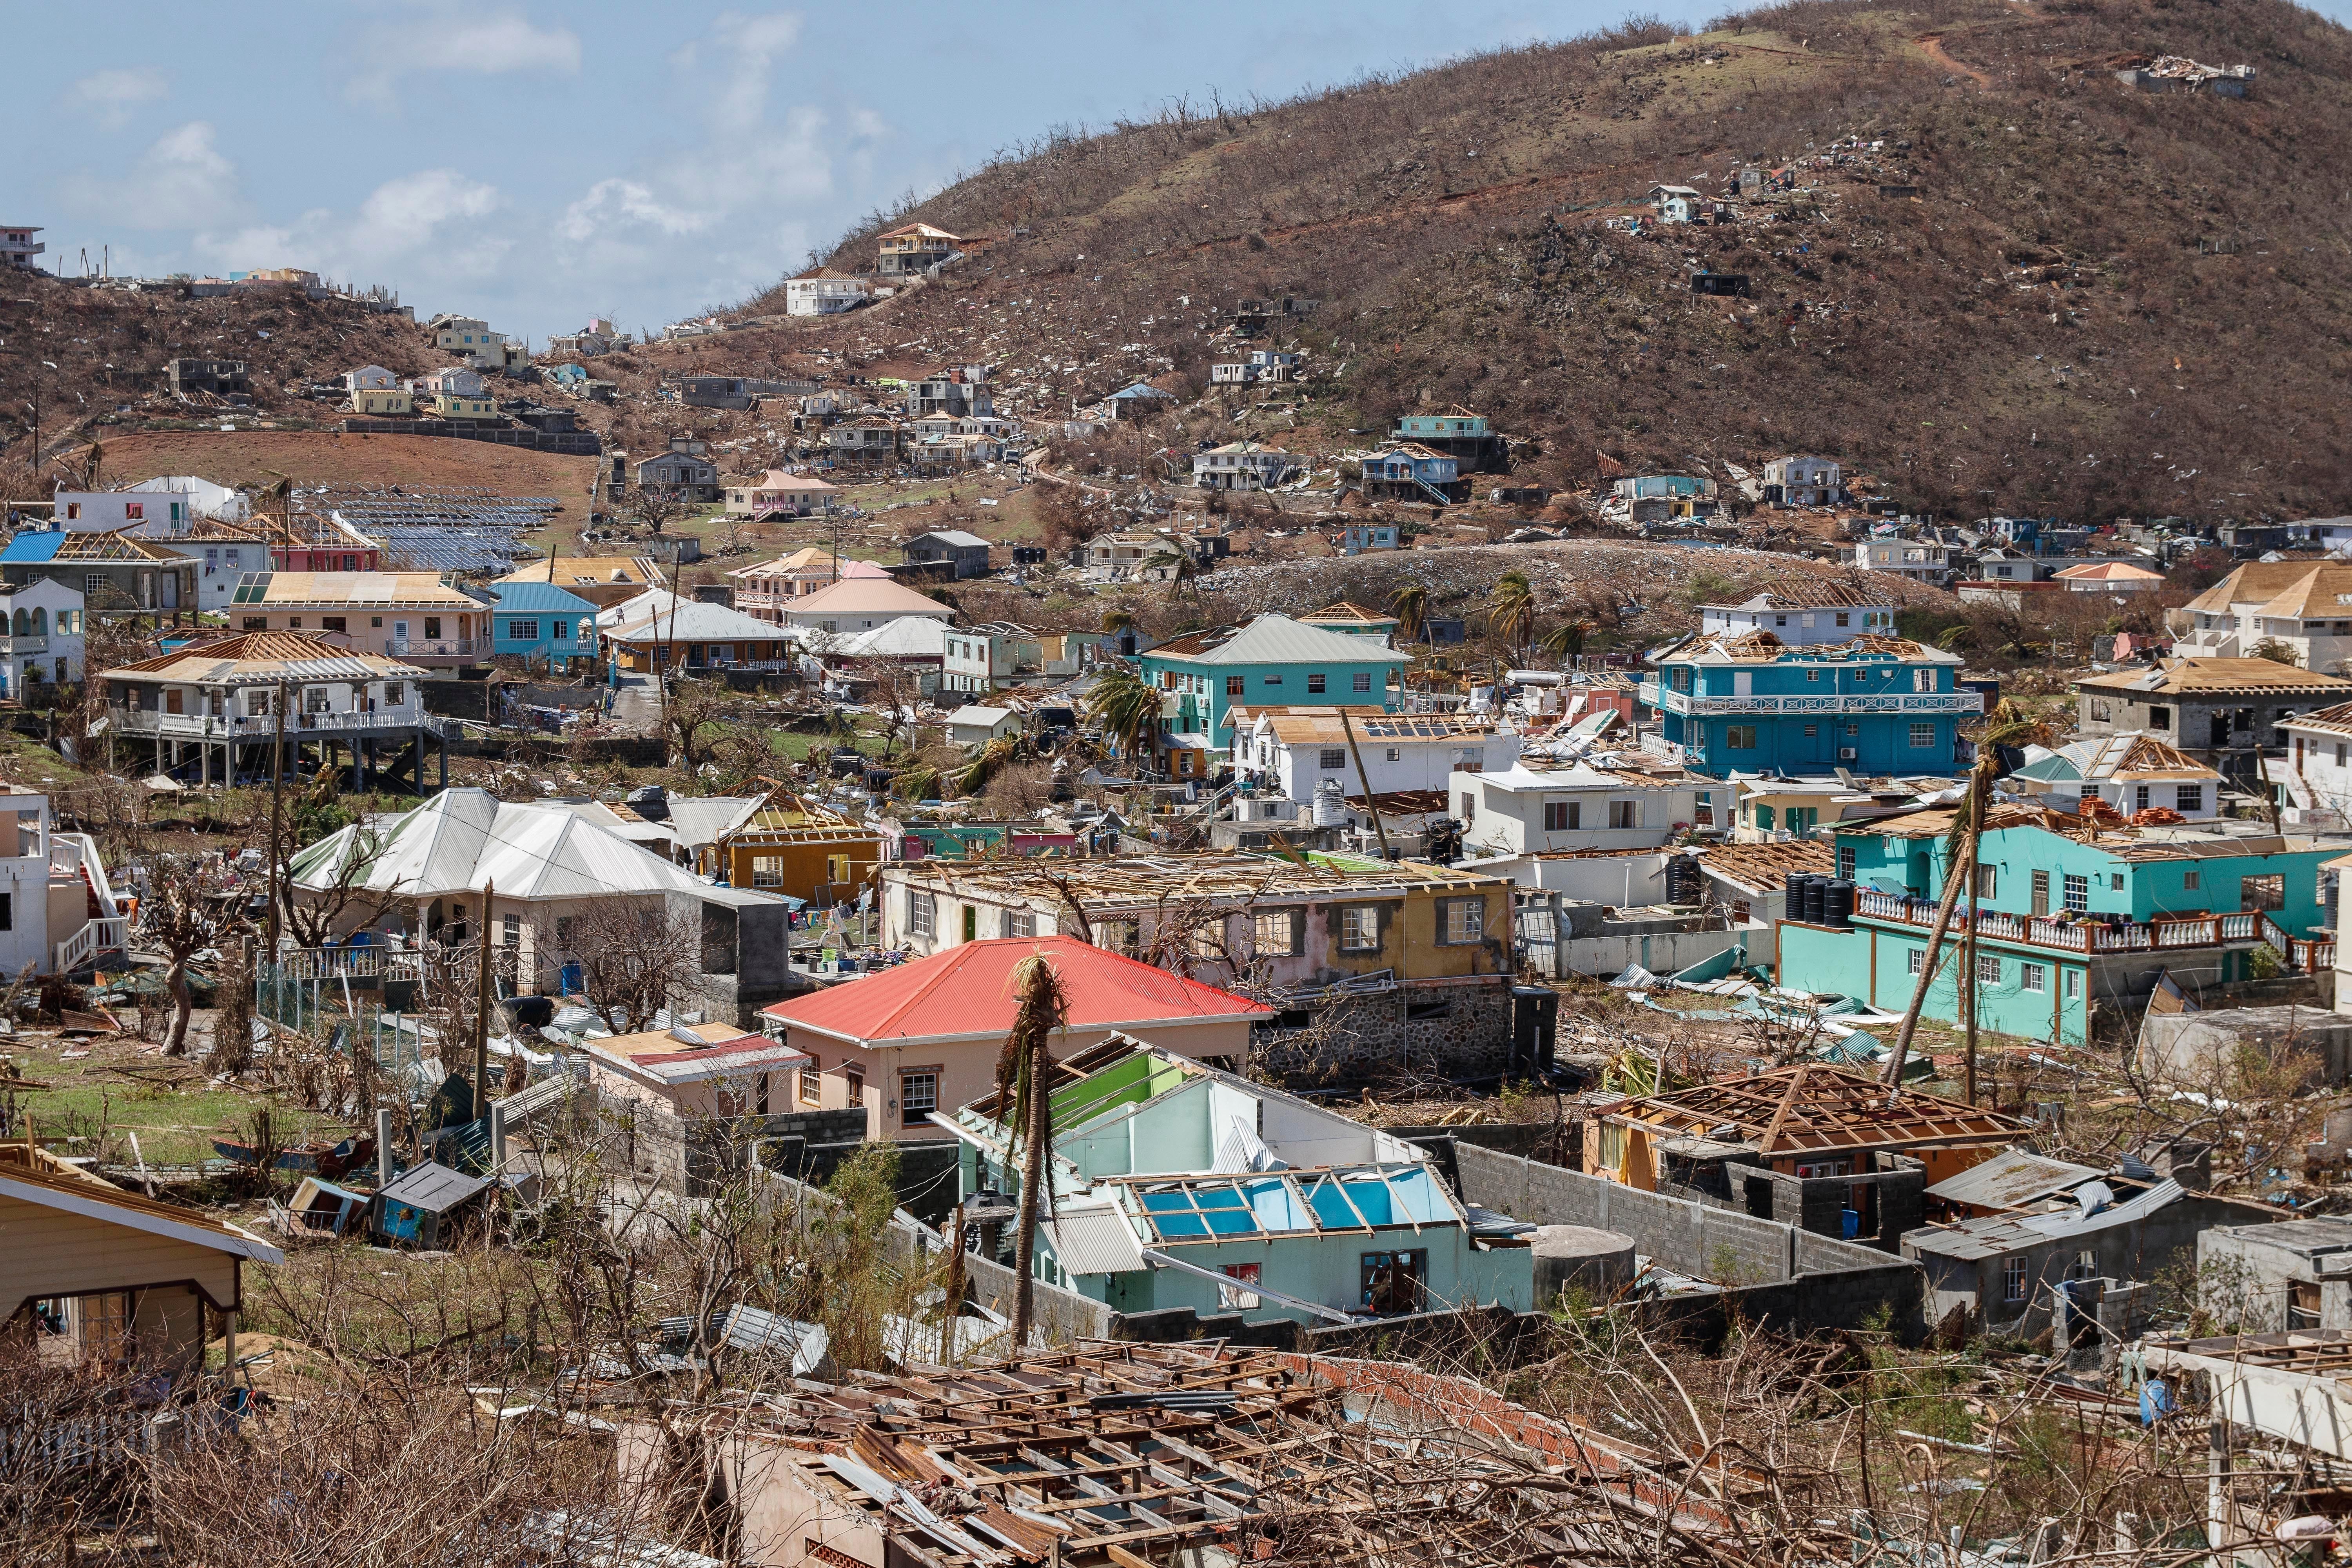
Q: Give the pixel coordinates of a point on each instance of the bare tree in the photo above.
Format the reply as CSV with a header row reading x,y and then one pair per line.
x,y
635,959
192,904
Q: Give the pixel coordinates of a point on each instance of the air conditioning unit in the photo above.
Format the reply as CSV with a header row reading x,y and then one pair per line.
x,y
1846,753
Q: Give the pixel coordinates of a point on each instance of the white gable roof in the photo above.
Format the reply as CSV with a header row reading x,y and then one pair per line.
x,y
463,840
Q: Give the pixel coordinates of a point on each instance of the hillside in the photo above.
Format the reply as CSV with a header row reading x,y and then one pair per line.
x,y
2102,302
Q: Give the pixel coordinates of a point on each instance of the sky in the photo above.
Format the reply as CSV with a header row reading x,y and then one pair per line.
x,y
537,165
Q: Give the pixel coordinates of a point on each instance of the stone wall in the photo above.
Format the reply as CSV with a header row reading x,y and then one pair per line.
x,y
1458,1028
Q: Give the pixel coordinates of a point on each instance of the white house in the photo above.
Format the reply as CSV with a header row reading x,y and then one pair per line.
x,y
1286,752
370,378
2319,766
821,291
2131,770
974,725
1584,805
221,553
1920,559
1832,613
2304,606
1243,466
159,505
41,633
859,603
1801,481
45,904
983,657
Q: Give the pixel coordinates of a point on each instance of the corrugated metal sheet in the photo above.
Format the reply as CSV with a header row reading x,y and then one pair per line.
x,y
2009,1179
1094,1241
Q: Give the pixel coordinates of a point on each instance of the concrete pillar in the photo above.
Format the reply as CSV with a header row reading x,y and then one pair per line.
x,y
382,1149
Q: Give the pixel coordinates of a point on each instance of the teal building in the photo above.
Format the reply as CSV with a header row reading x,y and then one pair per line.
x,y
1271,662
1881,706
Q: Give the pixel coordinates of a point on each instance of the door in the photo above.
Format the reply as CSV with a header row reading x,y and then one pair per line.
x,y
2041,892
1391,1282
2302,1304
971,923
1743,683
172,701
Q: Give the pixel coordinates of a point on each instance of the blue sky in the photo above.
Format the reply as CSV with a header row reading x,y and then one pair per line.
x,y
538,163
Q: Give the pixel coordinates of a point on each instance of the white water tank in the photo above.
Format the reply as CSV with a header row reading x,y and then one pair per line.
x,y
1330,803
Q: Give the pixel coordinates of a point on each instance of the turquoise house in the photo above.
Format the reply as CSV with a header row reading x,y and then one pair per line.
x,y
2065,920
1274,661
1877,705
1177,1186
539,620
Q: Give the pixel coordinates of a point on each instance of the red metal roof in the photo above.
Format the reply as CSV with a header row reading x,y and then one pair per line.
x,y
967,992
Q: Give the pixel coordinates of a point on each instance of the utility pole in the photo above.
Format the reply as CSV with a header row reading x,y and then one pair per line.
x,y
277,788
482,1013
1371,799
1969,946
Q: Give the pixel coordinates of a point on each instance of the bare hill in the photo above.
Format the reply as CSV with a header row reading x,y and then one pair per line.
x,y
2100,302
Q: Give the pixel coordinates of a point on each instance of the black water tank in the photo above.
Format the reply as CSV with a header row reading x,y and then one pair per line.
x,y
1794,888
1685,882
1817,900
1840,910
1535,1025
651,801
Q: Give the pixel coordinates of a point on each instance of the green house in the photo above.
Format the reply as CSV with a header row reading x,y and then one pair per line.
x,y
1272,661
1177,1186
2066,920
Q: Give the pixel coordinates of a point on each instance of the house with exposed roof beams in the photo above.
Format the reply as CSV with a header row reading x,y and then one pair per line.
x,y
119,576
1802,615
112,1280
2318,772
2070,912
602,580
696,637
1809,1145
1176,1185
1750,703
2107,577
923,1037
2217,710
1412,956
764,589
1244,465
861,604
1769,809
2142,778
216,708
414,617
1750,882
2302,606
776,493
915,247
1351,619
695,1071
799,849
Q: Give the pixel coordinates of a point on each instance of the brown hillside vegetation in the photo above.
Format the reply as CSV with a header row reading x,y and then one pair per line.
x,y
2103,301
332,458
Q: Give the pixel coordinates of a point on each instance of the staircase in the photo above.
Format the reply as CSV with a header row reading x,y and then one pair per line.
x,y
107,929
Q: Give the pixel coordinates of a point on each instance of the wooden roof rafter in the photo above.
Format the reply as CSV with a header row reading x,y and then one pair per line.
x,y
1815,1106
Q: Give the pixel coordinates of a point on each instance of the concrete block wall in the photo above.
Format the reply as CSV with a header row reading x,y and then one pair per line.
x,y
1689,1237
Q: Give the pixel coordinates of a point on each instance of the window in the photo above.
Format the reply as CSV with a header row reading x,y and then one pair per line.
x,y
333,624
2071,982
293,623
1314,683
1115,936
7,911
1359,929
1020,922
2159,717
1233,1297
1922,680
1846,863
921,914
565,926
2012,1279
1469,810
2188,881
394,693
316,700
1739,737
1362,681
2115,881
1396,754
562,631
510,931
1391,1281
1623,813
258,700
2078,893
1681,678
91,584
1462,921
1274,681
812,1087
919,1096
1917,960
1988,882
1923,735
1233,686
1988,969
2033,977
768,872
1275,931
1333,759
1562,815
2341,751
2262,892
1843,618
2188,797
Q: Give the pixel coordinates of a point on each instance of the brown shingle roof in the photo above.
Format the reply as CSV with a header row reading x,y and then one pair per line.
x,y
2186,675
1765,867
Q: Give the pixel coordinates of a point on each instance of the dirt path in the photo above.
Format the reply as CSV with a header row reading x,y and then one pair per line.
x,y
1932,46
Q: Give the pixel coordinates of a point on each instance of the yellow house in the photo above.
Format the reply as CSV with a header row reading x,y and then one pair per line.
x,y
459,406
388,400
100,1275
916,248
801,849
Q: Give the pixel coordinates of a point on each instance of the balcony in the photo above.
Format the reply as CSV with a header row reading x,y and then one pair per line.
x,y
263,726
27,644
1835,703
2302,955
433,647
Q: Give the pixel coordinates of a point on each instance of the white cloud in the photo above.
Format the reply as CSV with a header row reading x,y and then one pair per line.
x,y
434,228
437,41
181,181
110,97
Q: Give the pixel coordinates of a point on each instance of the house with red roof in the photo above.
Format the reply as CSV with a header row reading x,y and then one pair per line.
x,y
925,1037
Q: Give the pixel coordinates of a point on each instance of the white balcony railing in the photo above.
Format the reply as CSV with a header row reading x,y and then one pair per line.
x,y
103,935
262,726
25,643
2079,935
430,647
1687,703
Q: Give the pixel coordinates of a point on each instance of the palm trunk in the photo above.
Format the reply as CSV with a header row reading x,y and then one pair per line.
x,y
1893,1075
1032,1177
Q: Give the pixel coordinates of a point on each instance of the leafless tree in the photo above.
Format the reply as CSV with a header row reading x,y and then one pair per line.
x,y
635,958
192,904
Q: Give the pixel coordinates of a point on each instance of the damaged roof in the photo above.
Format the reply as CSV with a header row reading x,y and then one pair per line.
x,y
1814,1107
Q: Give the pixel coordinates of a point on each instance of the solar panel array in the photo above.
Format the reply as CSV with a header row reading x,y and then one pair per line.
x,y
440,528
430,549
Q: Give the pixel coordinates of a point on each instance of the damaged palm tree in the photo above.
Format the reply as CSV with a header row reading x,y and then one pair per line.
x,y
1022,1074
2006,725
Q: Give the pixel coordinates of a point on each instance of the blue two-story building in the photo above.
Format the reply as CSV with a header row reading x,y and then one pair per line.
x,y
539,620
1272,661
1748,703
